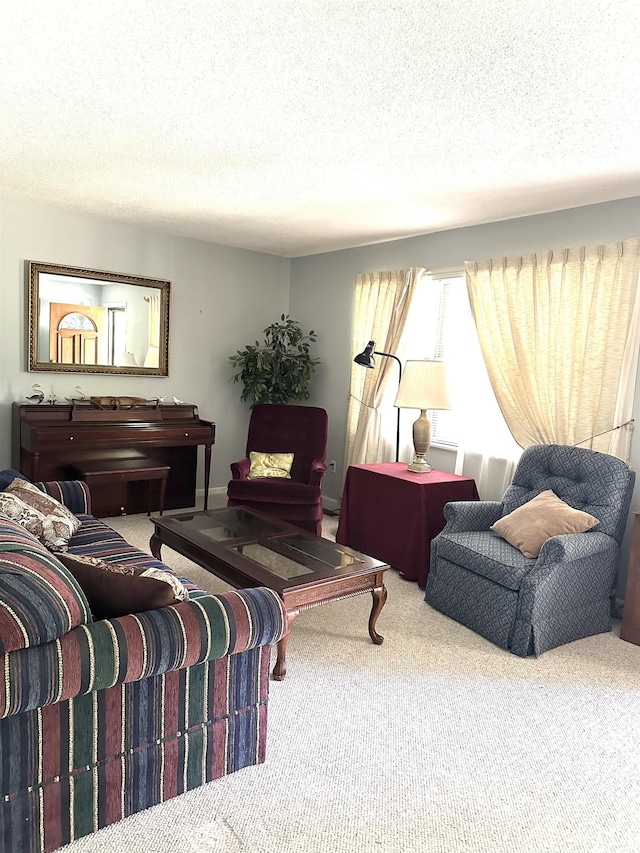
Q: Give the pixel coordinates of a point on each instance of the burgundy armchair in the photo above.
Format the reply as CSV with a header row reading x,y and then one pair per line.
x,y
275,428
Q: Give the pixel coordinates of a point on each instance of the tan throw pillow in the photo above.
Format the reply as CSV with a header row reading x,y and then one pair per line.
x,y
528,527
51,522
114,590
270,465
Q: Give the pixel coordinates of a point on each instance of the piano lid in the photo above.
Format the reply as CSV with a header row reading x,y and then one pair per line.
x,y
59,414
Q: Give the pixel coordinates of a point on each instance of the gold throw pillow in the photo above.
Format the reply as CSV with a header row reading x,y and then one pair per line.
x,y
270,465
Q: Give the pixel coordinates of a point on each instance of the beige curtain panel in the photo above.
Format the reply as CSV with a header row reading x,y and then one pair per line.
x,y
559,332
382,304
154,320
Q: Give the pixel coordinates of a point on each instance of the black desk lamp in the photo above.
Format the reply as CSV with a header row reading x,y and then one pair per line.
x,y
366,359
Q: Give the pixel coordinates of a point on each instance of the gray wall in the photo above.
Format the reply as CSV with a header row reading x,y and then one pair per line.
x,y
322,293
221,299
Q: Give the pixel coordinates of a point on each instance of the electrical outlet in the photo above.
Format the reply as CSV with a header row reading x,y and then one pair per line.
x,y
332,466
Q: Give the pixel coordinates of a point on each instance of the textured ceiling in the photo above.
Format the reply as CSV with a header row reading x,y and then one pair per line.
x,y
301,126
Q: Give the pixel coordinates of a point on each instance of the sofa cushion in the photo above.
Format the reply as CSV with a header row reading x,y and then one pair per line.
x,y
97,539
39,598
39,513
74,494
596,483
273,490
529,526
8,475
486,554
114,590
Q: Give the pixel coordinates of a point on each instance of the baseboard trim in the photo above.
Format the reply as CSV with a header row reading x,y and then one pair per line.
x,y
330,506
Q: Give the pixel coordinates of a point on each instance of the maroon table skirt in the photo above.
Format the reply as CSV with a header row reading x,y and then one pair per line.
x,y
392,513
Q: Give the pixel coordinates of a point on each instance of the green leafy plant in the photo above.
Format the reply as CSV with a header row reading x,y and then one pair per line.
x,y
279,369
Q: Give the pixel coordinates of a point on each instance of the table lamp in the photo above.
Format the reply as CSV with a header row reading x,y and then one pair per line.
x,y
423,386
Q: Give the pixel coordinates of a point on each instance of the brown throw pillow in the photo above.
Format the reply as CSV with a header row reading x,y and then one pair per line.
x,y
529,526
111,593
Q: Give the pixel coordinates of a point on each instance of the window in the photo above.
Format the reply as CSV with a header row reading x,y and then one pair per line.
x,y
433,331
437,324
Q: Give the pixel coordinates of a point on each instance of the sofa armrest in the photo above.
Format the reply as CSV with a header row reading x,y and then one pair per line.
x,y
573,546
240,469
463,516
571,569
131,648
318,470
74,494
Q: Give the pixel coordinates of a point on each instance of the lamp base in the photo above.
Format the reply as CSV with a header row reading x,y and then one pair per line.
x,y
421,443
419,467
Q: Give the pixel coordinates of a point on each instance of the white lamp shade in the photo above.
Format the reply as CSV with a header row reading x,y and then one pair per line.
x,y
423,386
128,360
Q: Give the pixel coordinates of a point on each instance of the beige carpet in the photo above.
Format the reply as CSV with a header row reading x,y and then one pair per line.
x,y
435,741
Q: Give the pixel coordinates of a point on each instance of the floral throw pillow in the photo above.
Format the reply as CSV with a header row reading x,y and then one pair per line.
x,y
40,514
270,465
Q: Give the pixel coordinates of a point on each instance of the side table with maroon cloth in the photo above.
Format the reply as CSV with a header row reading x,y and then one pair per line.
x,y
392,513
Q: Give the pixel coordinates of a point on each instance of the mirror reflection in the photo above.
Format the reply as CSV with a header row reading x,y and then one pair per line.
x,y
87,321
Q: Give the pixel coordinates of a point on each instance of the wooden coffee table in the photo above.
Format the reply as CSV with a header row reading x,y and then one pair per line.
x,y
247,548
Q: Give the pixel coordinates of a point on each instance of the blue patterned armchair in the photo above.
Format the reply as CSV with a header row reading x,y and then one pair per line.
x,y
530,605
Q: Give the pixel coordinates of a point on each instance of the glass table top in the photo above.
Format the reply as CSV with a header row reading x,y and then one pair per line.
x,y
232,523
299,546
277,564
283,553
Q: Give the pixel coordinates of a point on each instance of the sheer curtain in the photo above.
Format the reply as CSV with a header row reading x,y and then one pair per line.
x,y
152,358
382,304
486,449
560,333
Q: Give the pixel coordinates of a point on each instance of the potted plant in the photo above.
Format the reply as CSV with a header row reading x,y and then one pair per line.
x,y
279,369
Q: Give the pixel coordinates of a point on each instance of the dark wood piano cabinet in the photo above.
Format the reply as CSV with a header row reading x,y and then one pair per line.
x,y
51,442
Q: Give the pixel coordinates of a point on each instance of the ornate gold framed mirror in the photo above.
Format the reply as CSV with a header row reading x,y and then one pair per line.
x,y
90,321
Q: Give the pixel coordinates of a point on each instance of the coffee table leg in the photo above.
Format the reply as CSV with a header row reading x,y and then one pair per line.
x,y
379,595
280,669
155,544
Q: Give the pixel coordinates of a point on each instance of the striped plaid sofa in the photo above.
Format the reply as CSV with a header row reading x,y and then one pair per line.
x,y
102,719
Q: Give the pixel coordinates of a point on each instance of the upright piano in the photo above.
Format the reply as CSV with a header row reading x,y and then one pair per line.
x,y
53,442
